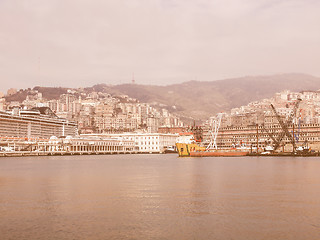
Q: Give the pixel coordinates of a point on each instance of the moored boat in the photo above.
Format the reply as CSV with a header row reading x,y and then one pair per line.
x,y
218,154
188,146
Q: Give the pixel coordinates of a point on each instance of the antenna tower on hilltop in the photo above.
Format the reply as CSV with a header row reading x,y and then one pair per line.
x,y
133,81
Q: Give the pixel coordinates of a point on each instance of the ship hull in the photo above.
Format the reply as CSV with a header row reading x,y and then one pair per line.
x,y
184,149
194,150
218,154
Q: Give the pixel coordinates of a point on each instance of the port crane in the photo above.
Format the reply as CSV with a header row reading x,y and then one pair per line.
x,y
284,126
297,135
215,125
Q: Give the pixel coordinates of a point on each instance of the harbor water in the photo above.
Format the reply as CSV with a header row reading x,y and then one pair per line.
x,y
159,197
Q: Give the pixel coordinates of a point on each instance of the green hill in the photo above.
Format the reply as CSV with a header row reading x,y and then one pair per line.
x,y
200,99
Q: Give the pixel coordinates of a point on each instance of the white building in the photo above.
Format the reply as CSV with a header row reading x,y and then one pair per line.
x,y
154,142
146,142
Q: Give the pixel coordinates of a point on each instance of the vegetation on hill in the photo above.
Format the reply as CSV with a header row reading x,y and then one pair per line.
x,y
198,99
50,93
201,100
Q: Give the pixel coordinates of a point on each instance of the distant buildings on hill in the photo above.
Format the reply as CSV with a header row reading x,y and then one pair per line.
x,y
257,122
260,112
98,112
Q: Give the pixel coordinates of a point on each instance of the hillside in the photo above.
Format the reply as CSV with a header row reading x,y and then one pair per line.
x,y
48,93
203,99
200,99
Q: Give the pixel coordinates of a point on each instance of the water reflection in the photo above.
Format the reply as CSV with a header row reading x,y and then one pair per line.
x,y
159,197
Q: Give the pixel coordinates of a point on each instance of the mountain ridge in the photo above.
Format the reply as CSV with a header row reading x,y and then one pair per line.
x,y
202,99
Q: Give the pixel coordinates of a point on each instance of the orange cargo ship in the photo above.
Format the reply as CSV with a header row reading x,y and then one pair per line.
x,y
188,147
218,154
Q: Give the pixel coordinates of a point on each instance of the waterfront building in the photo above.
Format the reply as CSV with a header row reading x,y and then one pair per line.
x,y
254,123
87,144
144,142
36,123
2,104
249,136
154,142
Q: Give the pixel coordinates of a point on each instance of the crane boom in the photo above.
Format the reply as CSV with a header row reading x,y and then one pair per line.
x,y
284,126
215,125
269,134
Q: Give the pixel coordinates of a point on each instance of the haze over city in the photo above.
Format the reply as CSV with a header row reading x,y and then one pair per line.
x,y
81,43
160,119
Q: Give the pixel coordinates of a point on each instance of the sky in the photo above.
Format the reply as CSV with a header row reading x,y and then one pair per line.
x,y
77,43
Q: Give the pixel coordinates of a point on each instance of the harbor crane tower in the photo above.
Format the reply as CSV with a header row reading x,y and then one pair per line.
x,y
215,125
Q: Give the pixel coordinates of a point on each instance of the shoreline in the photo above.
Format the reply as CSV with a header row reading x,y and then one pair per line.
x,y
39,154
64,153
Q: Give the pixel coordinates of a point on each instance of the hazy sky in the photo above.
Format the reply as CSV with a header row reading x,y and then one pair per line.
x,y
84,42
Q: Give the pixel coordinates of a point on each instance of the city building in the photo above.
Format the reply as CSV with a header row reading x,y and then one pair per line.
x,y
36,124
144,142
